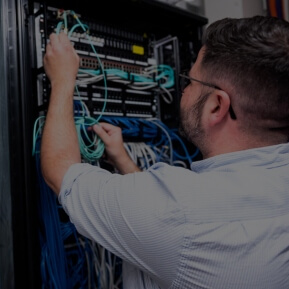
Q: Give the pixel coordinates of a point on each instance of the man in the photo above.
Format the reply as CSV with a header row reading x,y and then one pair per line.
x,y
222,224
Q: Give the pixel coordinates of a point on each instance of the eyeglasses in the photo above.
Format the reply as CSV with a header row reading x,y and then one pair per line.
x,y
186,80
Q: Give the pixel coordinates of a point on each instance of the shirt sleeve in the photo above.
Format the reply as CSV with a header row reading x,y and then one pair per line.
x,y
134,216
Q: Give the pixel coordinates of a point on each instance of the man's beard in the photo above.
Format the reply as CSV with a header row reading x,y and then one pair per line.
x,y
190,125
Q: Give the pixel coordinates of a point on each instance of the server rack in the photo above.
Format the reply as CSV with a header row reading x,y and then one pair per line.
x,y
173,37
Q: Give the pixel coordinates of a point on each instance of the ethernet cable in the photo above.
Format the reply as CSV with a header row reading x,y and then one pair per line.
x,y
85,29
156,135
91,146
141,154
63,263
148,80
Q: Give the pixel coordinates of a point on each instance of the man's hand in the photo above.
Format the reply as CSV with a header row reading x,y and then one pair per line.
x,y
117,155
61,62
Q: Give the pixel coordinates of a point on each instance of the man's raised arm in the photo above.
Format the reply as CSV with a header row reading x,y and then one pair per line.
x,y
59,143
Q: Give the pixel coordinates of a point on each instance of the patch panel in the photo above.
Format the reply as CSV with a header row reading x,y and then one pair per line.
x,y
122,64
118,101
102,48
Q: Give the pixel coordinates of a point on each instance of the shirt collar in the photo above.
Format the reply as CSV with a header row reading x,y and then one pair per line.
x,y
262,156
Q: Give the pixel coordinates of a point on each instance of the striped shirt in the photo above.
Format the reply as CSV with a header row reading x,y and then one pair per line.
x,y
223,224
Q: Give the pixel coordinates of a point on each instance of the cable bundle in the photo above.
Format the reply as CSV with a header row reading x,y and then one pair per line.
x,y
152,141
91,146
157,76
69,260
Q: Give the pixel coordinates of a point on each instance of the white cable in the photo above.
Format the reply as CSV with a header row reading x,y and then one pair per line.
x,y
141,154
167,100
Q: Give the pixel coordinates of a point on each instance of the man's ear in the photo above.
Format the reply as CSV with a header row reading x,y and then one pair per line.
x,y
217,107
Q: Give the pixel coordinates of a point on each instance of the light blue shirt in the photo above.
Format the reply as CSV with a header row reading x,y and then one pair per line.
x,y
224,224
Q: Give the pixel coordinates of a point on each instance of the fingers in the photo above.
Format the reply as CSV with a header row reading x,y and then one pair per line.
x,y
61,62
52,40
109,128
52,44
63,38
99,130
55,40
106,130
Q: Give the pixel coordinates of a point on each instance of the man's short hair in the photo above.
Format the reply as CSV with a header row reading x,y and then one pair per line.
x,y
250,58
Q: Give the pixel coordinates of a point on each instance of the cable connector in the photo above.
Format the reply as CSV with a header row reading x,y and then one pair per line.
x,y
73,14
60,13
